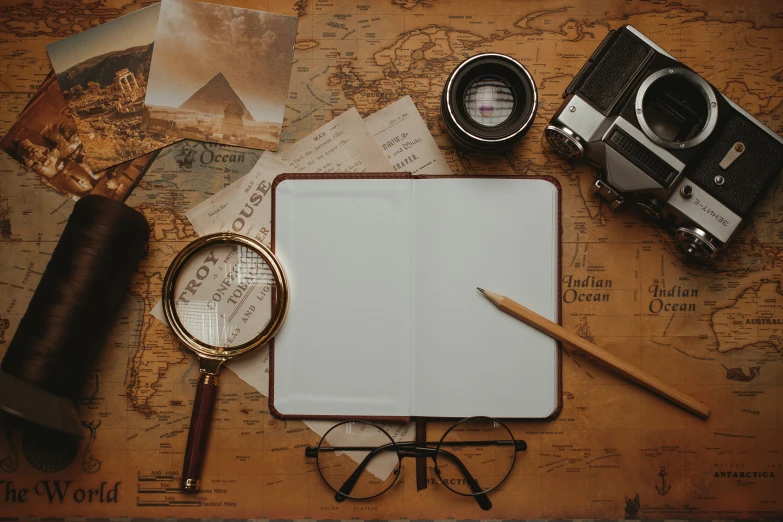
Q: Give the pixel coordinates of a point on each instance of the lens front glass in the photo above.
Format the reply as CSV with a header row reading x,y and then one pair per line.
x,y
475,456
489,101
223,295
358,460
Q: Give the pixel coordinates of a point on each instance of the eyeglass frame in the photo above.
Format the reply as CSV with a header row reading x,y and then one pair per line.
x,y
415,449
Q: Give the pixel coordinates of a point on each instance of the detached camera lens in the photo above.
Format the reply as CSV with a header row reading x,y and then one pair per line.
x,y
489,102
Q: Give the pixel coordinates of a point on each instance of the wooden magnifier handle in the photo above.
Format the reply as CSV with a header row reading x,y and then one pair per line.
x,y
200,421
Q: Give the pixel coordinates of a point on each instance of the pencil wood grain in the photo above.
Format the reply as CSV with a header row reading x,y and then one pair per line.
x,y
619,366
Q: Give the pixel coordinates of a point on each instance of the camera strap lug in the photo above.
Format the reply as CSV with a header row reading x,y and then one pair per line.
x,y
608,194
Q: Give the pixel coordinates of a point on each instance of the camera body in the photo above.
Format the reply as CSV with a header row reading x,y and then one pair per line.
x,y
666,141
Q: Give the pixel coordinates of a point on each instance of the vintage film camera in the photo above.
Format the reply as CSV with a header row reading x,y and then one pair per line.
x,y
667,141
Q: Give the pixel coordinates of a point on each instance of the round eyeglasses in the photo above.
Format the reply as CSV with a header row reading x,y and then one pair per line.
x,y
361,460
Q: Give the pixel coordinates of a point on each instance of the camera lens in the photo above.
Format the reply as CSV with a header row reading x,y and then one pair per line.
x,y
676,108
489,102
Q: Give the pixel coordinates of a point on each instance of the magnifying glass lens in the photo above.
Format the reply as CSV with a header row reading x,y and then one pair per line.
x,y
223,295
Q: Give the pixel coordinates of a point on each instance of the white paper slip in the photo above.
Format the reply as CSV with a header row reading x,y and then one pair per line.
x,y
345,144
405,139
243,207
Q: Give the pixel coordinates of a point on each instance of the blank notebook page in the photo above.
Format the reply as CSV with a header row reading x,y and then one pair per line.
x,y
345,346
385,318
469,357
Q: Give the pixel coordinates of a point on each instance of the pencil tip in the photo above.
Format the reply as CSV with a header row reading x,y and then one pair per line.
x,y
480,289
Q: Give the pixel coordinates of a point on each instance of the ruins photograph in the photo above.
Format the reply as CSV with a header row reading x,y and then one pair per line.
x,y
220,74
45,140
103,75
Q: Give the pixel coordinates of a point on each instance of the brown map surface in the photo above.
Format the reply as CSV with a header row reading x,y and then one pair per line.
x,y
614,451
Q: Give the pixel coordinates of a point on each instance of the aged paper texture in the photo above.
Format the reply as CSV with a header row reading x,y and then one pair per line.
x,y
398,127
406,140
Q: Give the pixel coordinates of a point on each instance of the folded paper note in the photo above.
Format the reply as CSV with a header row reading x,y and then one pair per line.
x,y
398,131
405,139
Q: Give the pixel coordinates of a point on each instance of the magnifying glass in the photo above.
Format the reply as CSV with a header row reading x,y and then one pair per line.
x,y
223,295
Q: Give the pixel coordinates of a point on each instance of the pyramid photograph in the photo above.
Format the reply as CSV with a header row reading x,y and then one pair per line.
x,y
220,74
214,97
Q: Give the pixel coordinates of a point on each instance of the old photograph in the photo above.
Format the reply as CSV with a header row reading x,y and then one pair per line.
x,y
220,74
118,181
103,75
45,140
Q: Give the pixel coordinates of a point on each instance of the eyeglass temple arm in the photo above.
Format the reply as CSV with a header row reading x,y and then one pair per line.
x,y
482,499
347,487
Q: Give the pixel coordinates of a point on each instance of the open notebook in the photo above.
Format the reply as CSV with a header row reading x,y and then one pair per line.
x,y
385,320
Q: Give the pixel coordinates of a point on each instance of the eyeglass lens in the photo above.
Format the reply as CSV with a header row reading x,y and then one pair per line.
x,y
478,449
364,472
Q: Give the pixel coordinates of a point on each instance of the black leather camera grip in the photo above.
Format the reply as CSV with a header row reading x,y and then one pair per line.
x,y
750,175
611,69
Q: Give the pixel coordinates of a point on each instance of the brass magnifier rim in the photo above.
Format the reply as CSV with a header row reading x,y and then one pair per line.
x,y
280,307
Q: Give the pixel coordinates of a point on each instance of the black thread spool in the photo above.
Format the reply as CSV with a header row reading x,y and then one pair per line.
x,y
70,313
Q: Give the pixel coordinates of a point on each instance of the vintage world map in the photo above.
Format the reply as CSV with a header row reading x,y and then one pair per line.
x,y
615,450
